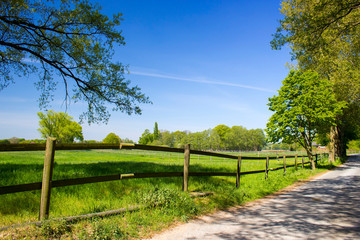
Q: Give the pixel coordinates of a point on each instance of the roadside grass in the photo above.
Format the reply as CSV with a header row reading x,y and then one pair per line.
x,y
165,201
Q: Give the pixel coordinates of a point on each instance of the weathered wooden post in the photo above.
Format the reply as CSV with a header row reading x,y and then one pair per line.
x,y
266,167
296,162
47,178
238,171
284,160
302,162
186,167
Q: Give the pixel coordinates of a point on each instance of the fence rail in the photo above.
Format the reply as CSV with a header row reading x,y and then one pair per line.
x,y
50,147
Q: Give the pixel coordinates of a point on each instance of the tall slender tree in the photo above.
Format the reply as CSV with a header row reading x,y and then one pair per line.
x,y
156,132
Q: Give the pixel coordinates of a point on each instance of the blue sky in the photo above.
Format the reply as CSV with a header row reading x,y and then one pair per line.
x,y
202,63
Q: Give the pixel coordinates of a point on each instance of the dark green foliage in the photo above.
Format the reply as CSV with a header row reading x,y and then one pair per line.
x,y
34,141
90,141
156,131
4,141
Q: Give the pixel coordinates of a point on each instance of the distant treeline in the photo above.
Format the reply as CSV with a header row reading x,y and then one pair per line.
x,y
15,140
116,139
220,138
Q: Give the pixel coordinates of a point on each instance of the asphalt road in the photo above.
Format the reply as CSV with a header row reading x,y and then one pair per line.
x,y
327,207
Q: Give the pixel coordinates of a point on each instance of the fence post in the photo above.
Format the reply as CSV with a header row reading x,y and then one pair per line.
x,y
302,162
296,162
284,164
238,172
266,167
186,167
47,177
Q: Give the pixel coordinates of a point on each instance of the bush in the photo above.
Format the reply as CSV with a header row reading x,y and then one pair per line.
x,y
104,230
168,199
112,138
54,229
4,141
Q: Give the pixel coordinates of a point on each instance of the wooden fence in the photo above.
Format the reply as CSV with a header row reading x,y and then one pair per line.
x,y
51,146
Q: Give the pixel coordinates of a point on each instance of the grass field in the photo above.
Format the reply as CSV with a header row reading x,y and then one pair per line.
x,y
168,203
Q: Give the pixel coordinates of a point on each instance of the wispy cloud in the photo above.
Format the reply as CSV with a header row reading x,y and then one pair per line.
x,y
204,81
14,99
30,60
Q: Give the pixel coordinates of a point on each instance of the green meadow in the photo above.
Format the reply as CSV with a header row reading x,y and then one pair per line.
x,y
162,198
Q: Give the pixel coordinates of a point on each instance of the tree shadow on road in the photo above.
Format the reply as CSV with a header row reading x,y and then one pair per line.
x,y
327,208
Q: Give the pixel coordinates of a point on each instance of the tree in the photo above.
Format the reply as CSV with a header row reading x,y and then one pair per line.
x,y
146,137
126,140
255,139
235,138
15,140
156,132
305,103
324,36
112,138
221,130
167,138
60,126
73,40
214,140
180,139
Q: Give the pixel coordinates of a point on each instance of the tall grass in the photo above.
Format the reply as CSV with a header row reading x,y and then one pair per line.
x,y
163,196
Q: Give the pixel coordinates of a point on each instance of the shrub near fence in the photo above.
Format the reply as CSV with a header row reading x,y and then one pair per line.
x,y
51,146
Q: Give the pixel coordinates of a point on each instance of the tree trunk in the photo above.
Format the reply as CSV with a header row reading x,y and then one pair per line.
x,y
332,144
311,159
308,149
337,143
340,143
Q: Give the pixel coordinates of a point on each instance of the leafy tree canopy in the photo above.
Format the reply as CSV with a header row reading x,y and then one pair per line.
x,y
74,41
112,138
305,104
324,36
146,138
60,126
